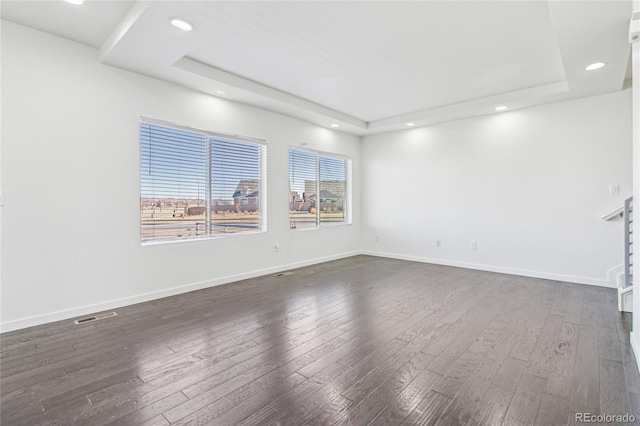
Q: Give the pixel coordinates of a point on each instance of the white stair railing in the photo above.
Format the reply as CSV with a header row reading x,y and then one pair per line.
x,y
625,291
628,242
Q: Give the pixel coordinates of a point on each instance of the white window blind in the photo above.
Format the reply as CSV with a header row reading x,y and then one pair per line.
x,y
197,184
319,187
236,180
303,186
333,189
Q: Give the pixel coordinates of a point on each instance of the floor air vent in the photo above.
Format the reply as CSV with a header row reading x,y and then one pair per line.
x,y
282,274
95,318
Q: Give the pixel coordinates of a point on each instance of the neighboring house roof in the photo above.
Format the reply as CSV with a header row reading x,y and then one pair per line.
x,y
246,188
327,195
239,194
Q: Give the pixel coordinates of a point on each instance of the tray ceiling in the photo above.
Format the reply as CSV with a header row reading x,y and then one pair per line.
x,y
366,66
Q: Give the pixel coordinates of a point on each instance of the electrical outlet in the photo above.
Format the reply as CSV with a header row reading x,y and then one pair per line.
x,y
377,238
474,245
276,247
438,243
614,189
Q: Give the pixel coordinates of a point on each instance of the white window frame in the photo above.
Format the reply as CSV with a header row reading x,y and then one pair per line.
x,y
211,135
348,216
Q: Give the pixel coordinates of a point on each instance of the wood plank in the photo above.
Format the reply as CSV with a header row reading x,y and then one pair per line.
x,y
623,329
634,401
552,411
151,411
156,421
543,352
569,302
631,374
14,411
449,347
200,404
491,407
428,410
408,400
335,409
560,377
276,406
525,402
473,391
387,334
369,407
585,397
608,345
337,378
522,350
614,398
255,405
509,374
459,372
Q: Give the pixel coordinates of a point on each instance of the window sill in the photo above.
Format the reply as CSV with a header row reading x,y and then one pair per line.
x,y
337,225
207,238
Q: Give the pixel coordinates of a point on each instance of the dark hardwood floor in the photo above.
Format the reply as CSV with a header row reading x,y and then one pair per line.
x,y
358,341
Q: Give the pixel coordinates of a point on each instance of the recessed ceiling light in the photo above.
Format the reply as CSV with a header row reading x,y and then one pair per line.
x,y
183,25
595,66
411,123
221,92
501,108
76,2
334,125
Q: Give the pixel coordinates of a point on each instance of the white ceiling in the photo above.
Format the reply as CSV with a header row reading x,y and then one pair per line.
x,y
368,66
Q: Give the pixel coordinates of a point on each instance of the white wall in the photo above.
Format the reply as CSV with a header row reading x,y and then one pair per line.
x,y
635,58
70,227
529,186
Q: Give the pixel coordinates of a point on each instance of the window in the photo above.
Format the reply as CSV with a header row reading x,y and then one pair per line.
x,y
197,184
319,187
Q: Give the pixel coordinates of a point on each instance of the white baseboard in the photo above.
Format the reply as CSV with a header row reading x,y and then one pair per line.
x,y
635,347
146,297
613,274
491,268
